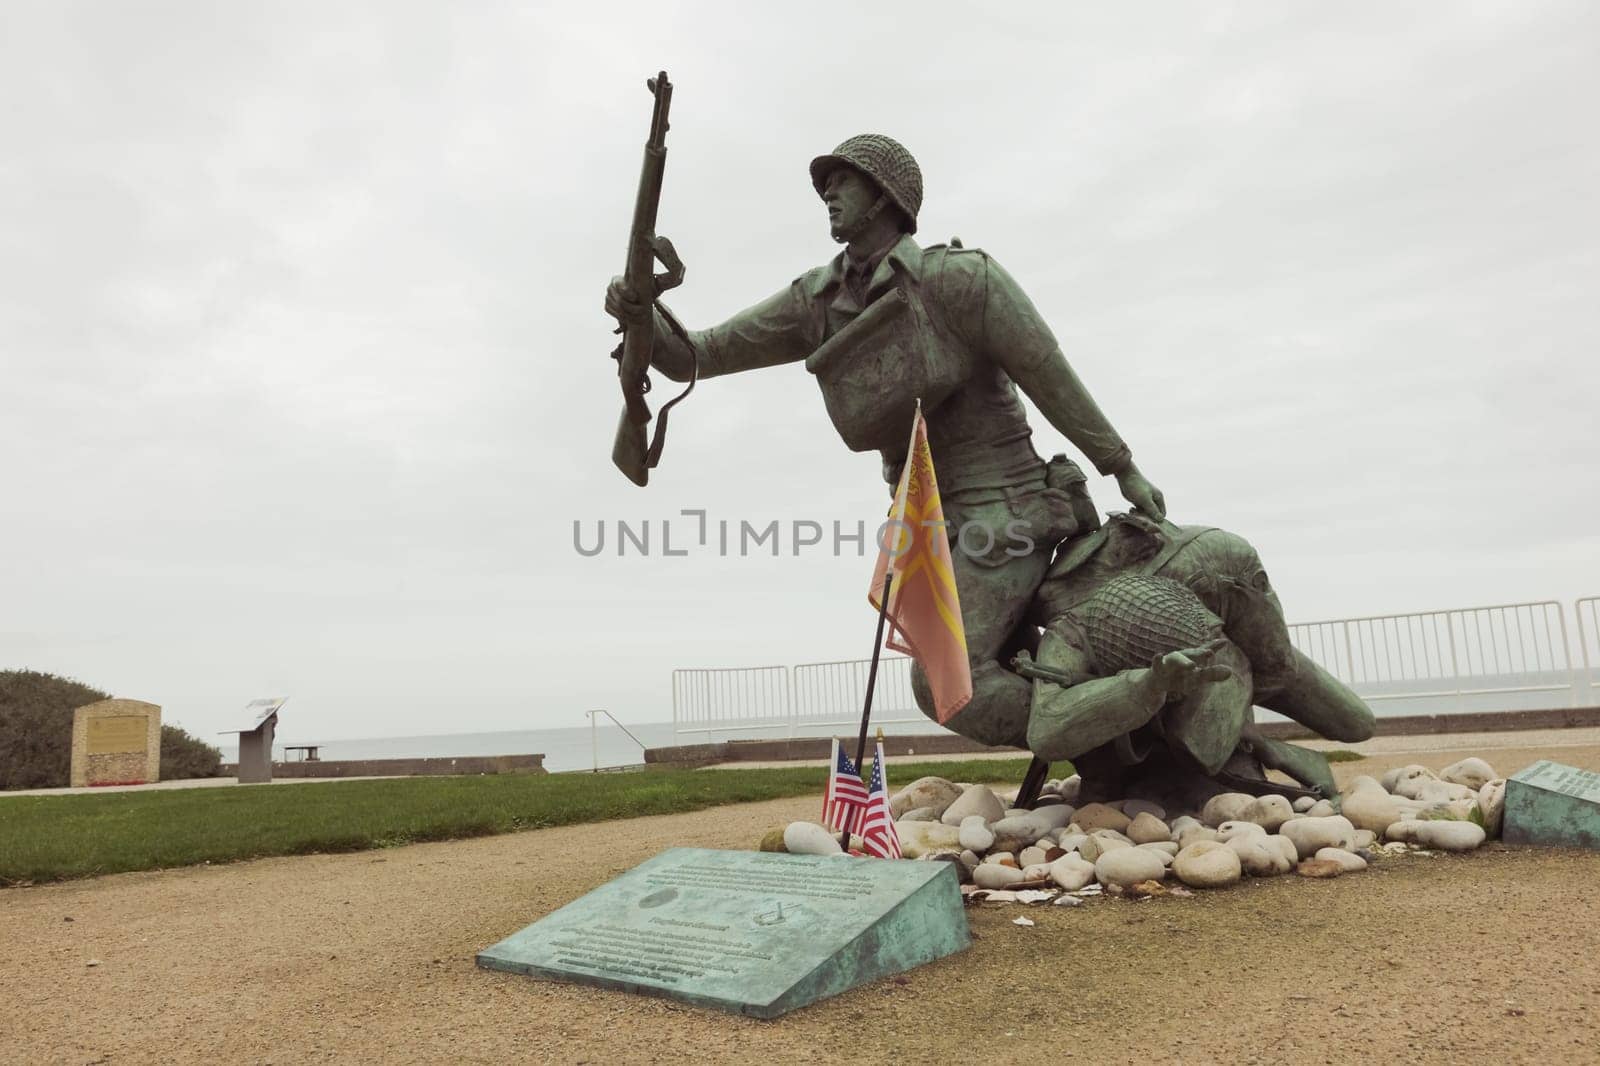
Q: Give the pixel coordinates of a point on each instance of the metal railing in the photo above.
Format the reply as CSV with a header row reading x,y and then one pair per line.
x,y
1475,651
1474,655
731,699
831,694
594,734
1589,641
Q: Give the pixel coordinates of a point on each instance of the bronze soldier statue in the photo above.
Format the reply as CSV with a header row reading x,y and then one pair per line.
x,y
887,322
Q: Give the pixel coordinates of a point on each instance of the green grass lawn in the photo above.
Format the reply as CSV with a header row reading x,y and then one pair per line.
x,y
49,838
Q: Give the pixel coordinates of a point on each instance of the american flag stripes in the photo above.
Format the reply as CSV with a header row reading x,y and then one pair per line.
x,y
878,835
846,798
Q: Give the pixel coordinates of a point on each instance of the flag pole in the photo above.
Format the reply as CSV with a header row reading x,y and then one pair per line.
x,y
872,681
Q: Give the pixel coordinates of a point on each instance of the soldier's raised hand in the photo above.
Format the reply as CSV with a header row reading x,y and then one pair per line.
x,y
624,306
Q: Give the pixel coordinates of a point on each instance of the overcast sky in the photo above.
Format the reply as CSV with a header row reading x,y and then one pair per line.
x,y
305,374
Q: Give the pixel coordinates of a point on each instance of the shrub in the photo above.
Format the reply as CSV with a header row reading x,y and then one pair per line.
x,y
36,733
184,756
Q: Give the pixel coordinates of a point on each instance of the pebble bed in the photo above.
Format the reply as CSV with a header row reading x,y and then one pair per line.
x,y
1062,853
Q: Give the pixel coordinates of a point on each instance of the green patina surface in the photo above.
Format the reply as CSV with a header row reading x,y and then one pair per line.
x,y
1551,803
748,932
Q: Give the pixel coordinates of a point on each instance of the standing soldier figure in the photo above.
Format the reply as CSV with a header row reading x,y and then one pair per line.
x,y
888,322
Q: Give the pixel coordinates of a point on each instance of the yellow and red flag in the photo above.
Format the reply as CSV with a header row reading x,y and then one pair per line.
x,y
924,610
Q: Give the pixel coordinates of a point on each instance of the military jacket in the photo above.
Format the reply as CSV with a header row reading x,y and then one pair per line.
x,y
945,325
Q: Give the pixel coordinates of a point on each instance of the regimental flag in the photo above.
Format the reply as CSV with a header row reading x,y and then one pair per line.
x,y
878,834
846,798
924,610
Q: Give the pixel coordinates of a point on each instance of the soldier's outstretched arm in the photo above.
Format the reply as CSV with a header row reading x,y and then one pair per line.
x,y
1016,337
779,329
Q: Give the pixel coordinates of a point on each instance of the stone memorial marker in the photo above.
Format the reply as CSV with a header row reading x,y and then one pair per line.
x,y
756,933
116,742
1550,803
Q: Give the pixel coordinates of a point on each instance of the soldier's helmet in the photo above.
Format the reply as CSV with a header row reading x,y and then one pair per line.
x,y
884,160
1133,618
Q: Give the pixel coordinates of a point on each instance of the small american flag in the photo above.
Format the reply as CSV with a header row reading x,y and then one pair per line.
x,y
878,835
846,798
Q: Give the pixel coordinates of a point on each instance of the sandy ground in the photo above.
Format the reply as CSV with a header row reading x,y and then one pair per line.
x,y
367,957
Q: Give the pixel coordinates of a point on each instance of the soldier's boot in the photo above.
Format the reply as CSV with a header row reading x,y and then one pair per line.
x,y
1306,766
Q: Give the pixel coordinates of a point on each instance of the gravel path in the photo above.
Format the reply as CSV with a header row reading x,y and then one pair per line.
x,y
1493,956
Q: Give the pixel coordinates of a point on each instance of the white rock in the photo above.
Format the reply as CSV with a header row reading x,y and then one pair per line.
x,y
1269,812
1363,783
1303,804
1371,809
1054,815
976,801
993,875
1033,856
1071,872
1039,871
1207,864
1447,836
1391,780
1408,780
1068,789
1000,856
1018,831
1134,808
1071,841
1096,846
1227,807
971,860
1160,848
919,838
1492,805
1322,809
808,838
1444,792
1309,834
1100,816
1348,862
1127,866
1258,856
1195,833
1286,848
1443,810
921,814
1148,828
1182,822
974,834
933,792
1228,830
1473,773
1365,838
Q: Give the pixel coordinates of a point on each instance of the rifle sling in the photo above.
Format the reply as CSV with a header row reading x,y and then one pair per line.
x,y
658,439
